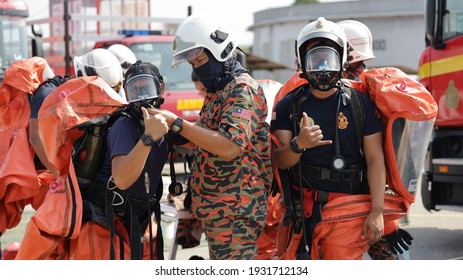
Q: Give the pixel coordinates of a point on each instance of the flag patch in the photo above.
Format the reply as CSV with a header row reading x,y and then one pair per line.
x,y
241,113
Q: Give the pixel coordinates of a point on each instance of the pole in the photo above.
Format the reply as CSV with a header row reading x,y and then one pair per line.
x,y
67,38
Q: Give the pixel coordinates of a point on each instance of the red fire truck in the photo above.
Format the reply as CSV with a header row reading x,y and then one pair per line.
x,y
441,71
99,24
13,35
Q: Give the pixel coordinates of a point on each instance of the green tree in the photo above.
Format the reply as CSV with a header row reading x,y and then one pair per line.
x,y
305,1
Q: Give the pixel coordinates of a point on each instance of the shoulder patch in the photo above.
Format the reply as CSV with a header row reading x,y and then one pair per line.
x,y
241,113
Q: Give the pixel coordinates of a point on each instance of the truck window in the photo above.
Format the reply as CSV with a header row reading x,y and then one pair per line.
x,y
13,42
160,54
453,19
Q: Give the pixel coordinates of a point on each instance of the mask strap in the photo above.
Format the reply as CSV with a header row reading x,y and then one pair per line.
x,y
338,162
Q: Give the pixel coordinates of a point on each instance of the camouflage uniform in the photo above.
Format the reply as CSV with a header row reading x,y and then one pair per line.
x,y
230,195
381,250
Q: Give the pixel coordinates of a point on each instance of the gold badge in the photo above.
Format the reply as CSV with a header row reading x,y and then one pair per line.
x,y
451,96
310,121
342,121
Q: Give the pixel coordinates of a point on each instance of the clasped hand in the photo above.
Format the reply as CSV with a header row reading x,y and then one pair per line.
x,y
155,124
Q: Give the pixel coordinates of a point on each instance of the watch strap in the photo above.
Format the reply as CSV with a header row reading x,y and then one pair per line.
x,y
295,148
148,140
177,125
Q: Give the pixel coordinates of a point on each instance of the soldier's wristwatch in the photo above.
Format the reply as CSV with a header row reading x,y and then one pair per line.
x,y
177,125
148,140
295,148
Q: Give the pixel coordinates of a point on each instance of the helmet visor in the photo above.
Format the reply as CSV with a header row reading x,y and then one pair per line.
x,y
323,59
186,56
142,87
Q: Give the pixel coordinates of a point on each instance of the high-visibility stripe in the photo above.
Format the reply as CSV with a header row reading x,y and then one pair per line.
x,y
441,66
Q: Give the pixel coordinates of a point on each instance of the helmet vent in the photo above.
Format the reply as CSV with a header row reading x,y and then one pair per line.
x,y
227,50
219,37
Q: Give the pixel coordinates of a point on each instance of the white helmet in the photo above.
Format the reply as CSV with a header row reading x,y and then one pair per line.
x,y
125,56
202,32
102,63
47,73
332,42
360,40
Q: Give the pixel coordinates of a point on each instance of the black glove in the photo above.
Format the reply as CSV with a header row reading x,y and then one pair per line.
x,y
397,240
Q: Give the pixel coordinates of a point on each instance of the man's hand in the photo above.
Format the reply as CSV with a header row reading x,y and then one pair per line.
x,y
374,225
169,116
398,240
155,125
310,136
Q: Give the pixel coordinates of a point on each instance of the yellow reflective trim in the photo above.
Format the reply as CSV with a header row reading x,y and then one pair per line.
x,y
424,71
441,66
190,104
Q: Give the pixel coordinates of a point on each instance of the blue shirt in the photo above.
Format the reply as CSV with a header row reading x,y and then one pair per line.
x,y
47,87
122,138
323,112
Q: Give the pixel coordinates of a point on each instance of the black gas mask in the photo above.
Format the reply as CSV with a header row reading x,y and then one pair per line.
x,y
323,67
143,86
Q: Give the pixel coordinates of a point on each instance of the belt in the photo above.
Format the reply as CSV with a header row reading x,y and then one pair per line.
x,y
137,205
320,196
322,173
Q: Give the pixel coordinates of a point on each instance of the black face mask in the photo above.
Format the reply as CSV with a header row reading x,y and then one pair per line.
x,y
210,73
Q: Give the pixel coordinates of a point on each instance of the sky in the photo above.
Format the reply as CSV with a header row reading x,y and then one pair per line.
x,y
236,14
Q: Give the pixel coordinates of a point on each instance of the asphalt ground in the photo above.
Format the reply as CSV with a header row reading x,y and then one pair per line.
x,y
437,235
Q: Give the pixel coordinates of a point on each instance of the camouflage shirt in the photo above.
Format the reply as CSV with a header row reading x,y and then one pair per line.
x,y
234,187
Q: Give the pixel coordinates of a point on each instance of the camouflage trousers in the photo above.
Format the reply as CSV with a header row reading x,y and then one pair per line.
x,y
381,251
189,233
232,238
